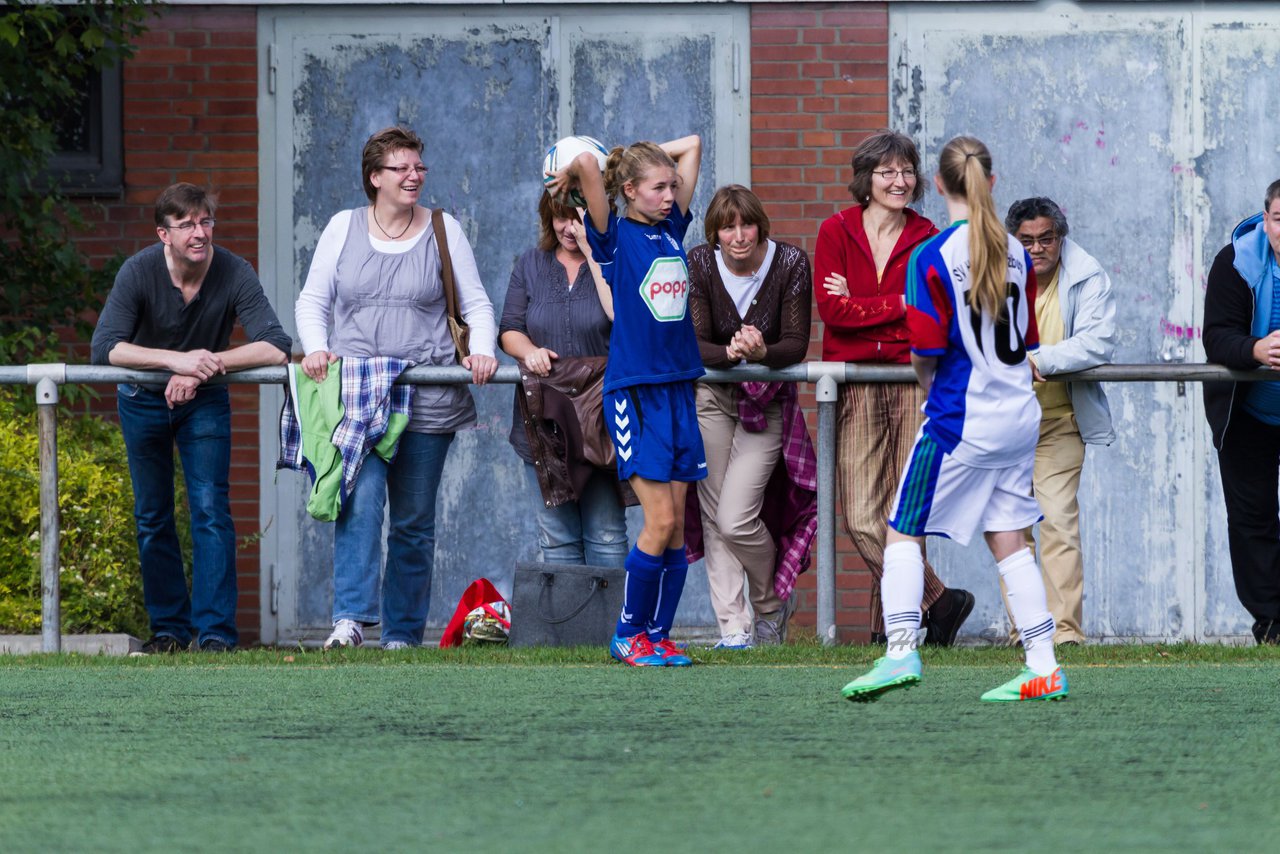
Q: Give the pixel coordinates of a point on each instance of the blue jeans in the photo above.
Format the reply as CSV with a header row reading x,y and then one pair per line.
x,y
202,431
591,530
409,484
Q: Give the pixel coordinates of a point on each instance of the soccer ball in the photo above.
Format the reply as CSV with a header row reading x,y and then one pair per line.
x,y
489,623
564,151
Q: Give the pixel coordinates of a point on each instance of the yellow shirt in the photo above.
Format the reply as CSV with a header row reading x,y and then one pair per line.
x,y
1054,402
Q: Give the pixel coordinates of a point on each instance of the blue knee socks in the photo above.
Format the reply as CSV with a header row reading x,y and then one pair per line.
x,y
675,566
644,580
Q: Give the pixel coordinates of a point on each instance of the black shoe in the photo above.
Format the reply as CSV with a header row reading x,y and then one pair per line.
x,y
942,630
216,645
1267,632
163,645
879,638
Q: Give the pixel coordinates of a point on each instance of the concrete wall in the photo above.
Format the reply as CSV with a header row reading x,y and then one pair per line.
x,y
1142,121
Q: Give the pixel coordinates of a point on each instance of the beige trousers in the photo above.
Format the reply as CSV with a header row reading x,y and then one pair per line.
x,y
876,432
1059,460
737,544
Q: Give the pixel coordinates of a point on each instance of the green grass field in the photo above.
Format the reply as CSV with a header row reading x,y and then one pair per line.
x,y
1158,748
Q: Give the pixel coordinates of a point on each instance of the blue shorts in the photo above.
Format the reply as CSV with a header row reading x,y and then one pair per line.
x,y
655,432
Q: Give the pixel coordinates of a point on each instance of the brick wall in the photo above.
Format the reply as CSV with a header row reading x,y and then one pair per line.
x,y
191,114
819,85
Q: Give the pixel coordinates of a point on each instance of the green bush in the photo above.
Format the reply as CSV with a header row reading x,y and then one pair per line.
x,y
100,583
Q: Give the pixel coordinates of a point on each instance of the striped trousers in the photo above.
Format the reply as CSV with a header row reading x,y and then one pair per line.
x,y
876,430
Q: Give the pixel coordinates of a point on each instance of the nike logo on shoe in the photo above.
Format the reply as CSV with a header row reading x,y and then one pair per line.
x,y
1041,686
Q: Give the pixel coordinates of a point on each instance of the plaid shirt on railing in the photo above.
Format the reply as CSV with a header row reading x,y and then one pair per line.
x,y
369,398
790,510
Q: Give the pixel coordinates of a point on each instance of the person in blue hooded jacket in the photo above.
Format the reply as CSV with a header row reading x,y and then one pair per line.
x,y
1242,331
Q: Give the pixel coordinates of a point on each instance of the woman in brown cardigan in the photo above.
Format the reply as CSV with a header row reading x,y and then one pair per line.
x,y
750,301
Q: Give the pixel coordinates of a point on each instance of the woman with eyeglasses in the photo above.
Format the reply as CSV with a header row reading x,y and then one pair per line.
x,y
860,265
971,295
375,279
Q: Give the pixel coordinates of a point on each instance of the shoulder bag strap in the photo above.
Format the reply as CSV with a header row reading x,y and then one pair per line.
x,y
446,264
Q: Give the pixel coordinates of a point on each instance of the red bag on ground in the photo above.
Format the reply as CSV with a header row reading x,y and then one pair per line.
x,y
479,594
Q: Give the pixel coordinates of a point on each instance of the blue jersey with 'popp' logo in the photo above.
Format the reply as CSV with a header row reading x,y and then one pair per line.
x,y
652,339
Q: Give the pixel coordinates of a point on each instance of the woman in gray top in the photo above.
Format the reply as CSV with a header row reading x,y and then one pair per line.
x,y
558,307
376,275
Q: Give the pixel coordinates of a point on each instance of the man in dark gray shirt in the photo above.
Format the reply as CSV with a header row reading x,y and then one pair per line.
x,y
172,309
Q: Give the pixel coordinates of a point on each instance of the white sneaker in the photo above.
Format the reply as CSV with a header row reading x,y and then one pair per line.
x,y
345,633
395,645
737,640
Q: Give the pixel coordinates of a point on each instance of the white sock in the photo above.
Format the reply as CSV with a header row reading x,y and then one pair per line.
x,y
1030,611
901,589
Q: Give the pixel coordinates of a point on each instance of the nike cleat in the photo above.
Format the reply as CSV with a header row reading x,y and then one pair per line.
x,y
1028,686
636,651
884,676
672,655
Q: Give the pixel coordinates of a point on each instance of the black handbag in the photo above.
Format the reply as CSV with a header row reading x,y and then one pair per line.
x,y
556,604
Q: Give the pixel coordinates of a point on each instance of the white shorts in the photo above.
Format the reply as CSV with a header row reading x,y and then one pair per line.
x,y
941,497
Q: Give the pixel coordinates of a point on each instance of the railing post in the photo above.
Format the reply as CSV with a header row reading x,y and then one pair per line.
x,y
827,394
45,377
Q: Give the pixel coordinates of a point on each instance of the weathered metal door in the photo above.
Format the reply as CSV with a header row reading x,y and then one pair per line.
x,y
488,89
1136,119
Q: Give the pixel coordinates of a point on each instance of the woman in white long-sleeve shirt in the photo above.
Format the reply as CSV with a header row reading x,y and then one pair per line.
x,y
374,289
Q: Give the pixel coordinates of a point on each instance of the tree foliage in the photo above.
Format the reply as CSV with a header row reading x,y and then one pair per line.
x,y
48,53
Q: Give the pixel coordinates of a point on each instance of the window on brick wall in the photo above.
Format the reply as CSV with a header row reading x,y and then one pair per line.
x,y
90,157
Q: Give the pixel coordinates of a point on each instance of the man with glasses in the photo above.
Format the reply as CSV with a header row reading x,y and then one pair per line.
x,y
1075,313
172,309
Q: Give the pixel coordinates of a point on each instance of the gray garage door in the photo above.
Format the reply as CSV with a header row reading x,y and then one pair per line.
x,y
488,89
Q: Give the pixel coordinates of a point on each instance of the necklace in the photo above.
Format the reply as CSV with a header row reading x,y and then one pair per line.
x,y
412,213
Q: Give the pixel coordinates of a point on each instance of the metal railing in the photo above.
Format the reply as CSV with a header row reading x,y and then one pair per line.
x,y
826,376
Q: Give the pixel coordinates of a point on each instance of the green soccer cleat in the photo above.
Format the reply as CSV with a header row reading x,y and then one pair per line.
x,y
884,676
1028,686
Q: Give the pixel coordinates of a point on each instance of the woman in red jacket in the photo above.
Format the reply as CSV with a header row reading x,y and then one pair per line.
x,y
860,266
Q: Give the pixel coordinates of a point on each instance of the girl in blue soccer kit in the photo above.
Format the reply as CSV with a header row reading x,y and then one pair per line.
x,y
653,362
971,292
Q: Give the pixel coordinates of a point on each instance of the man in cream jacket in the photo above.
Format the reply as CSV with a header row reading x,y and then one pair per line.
x,y
1075,313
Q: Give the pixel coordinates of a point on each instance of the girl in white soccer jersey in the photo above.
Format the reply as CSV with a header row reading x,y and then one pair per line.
x,y
970,295
653,361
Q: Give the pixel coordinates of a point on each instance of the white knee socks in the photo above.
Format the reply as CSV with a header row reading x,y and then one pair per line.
x,y
901,589
1030,611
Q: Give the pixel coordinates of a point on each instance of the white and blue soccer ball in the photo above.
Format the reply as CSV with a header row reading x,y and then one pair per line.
x,y
563,153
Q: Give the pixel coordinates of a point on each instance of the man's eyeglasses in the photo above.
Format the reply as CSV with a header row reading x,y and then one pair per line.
x,y
892,174
404,170
187,227
1046,240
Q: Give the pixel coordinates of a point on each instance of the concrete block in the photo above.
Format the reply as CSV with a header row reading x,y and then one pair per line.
x,y
114,644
